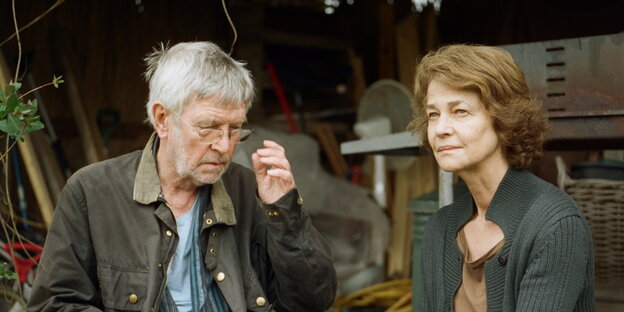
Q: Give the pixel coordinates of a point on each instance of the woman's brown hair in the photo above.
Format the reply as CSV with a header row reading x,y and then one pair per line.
x,y
519,120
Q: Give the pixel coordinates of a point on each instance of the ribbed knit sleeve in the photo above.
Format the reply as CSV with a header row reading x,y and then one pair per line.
x,y
554,278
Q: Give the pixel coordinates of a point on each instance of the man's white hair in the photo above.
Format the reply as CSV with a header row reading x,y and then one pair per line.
x,y
190,71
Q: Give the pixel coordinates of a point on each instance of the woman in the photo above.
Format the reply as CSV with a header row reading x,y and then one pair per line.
x,y
514,242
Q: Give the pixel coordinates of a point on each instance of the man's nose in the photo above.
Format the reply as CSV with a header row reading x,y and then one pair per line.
x,y
223,145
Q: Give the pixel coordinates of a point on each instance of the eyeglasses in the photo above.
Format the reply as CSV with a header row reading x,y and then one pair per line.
x,y
213,135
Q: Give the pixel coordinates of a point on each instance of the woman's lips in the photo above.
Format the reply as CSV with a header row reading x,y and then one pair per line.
x,y
444,148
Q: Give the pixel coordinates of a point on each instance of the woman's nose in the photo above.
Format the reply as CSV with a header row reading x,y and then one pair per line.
x,y
443,126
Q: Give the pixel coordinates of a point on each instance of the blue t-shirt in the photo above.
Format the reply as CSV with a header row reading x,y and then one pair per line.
x,y
179,277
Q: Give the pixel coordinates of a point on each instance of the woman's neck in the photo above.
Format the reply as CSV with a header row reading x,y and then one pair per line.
x,y
483,184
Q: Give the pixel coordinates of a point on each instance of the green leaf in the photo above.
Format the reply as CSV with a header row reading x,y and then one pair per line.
x,y
4,126
12,87
33,126
12,102
1,95
33,105
57,80
24,108
14,124
4,273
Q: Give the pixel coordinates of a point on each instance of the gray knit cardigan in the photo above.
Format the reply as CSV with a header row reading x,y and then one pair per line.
x,y
546,263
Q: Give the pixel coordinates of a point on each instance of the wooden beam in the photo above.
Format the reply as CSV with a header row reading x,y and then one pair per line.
x,y
89,135
305,41
54,177
359,79
326,137
408,49
418,179
386,41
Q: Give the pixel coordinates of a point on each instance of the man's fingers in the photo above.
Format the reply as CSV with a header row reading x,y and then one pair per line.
x,y
276,162
272,144
280,173
258,166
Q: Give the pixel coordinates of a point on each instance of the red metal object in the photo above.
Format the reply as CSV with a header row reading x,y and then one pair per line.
x,y
282,98
23,265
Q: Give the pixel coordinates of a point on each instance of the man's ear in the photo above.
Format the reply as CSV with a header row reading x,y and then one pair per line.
x,y
161,115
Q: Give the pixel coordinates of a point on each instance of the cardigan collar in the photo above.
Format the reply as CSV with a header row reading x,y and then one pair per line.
x,y
507,208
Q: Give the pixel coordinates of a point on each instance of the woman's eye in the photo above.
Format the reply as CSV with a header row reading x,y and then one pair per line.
x,y
461,111
433,115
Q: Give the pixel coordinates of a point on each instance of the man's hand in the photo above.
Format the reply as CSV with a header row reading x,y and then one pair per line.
x,y
273,173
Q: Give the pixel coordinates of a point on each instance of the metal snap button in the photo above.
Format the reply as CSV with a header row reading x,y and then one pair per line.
x,y
260,301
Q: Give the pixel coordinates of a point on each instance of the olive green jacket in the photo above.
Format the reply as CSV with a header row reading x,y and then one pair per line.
x,y
546,263
112,239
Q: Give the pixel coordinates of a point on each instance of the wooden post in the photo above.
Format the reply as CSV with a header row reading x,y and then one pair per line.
x,y
329,144
89,135
386,40
418,179
408,49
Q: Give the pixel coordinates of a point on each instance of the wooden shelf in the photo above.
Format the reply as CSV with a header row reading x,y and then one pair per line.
x,y
402,143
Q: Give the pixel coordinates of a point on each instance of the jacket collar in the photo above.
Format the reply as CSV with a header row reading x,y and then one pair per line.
x,y
147,186
146,181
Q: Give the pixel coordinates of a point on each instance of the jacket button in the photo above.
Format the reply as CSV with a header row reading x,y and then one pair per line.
x,y
159,265
300,201
212,250
260,301
133,298
220,276
168,233
208,221
502,260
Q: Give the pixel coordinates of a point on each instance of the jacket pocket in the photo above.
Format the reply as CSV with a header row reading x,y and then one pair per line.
x,y
123,289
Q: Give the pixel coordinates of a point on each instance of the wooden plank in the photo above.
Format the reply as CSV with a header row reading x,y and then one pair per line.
x,y
386,41
37,179
328,142
54,177
418,179
29,157
408,49
305,41
359,78
89,136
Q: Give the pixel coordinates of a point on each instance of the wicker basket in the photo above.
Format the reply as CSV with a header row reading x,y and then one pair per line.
x,y
602,202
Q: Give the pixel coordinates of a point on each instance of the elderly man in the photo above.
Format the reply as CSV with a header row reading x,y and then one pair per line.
x,y
177,227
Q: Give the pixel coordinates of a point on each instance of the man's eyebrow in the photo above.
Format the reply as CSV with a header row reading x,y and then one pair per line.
x,y
215,122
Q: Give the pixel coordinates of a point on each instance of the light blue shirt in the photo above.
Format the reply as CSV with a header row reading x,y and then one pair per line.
x,y
179,277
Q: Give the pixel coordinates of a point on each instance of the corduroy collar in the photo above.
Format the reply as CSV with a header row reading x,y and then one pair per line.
x,y
147,186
